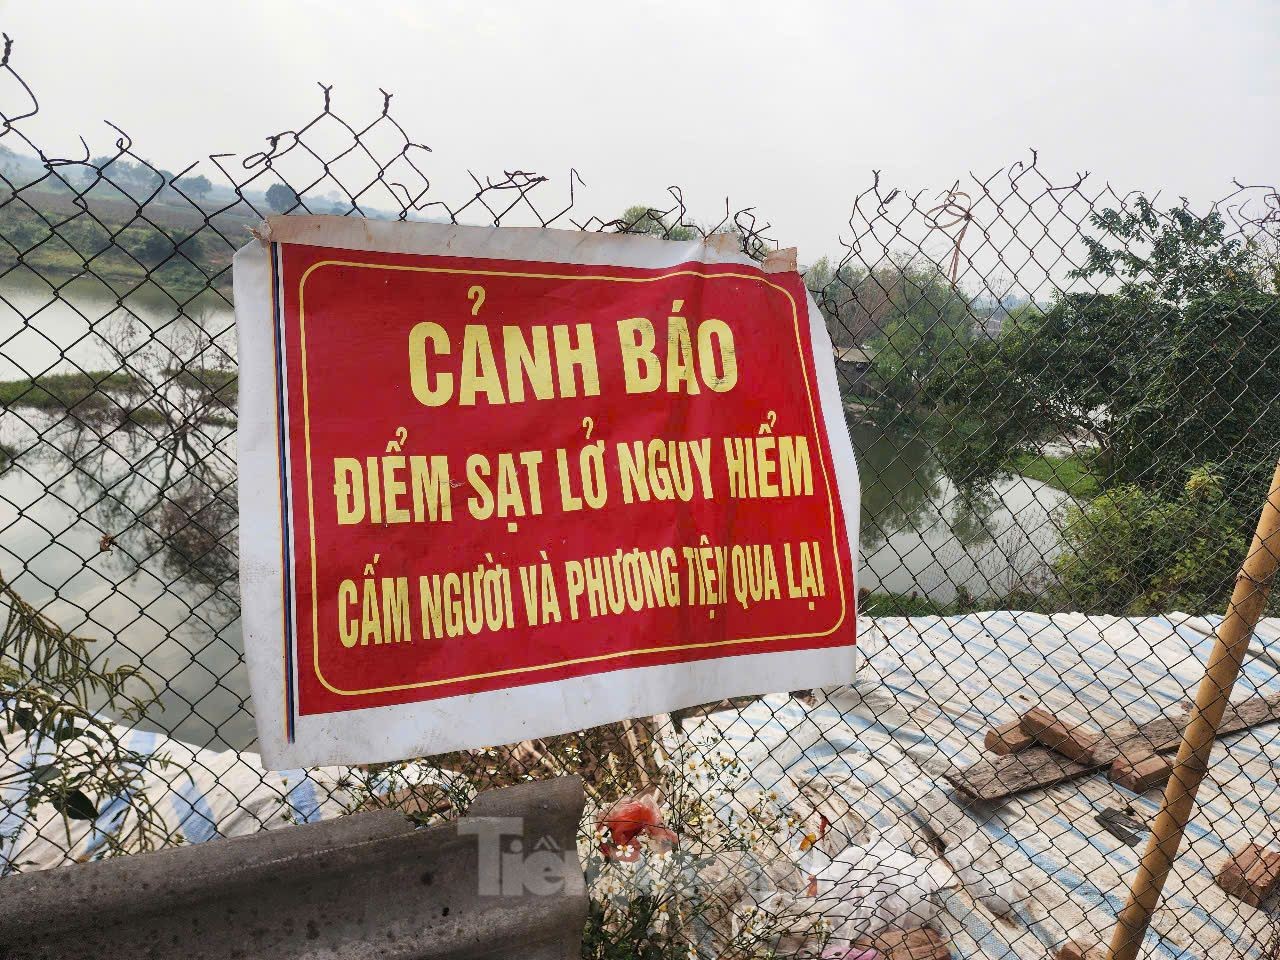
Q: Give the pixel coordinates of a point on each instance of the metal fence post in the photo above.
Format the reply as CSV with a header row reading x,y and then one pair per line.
x,y
1212,697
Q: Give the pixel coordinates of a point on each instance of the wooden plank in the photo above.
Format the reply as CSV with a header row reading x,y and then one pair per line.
x,y
1007,738
1251,874
1142,773
1062,736
994,778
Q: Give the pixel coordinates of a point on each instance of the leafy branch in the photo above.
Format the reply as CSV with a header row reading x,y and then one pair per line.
x,y
76,760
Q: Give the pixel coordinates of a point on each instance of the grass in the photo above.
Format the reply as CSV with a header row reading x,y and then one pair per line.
x,y
217,383
901,605
62,391
881,604
1073,474
57,262
84,391
109,241
90,391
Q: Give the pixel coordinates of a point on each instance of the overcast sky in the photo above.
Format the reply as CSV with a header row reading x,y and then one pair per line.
x,y
785,106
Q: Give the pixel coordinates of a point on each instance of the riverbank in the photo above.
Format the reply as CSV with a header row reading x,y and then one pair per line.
x,y
1073,473
882,603
126,395
101,234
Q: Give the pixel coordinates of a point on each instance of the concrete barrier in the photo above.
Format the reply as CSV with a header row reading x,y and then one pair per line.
x,y
504,881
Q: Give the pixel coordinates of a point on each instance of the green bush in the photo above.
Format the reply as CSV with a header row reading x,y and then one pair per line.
x,y
1136,551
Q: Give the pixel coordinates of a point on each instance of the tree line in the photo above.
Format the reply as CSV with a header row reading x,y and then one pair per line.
x,y
1159,361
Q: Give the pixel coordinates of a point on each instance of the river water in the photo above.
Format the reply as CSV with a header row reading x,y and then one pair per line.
x,y
178,617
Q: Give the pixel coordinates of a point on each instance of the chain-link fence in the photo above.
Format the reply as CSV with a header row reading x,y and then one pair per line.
x,y
1064,398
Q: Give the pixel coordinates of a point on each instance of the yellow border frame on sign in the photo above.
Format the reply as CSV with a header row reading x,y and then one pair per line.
x,y
306,419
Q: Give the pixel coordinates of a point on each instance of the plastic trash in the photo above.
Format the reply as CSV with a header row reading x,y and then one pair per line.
x,y
994,887
866,888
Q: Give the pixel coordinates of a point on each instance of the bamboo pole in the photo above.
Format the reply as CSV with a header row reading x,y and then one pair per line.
x,y
1247,601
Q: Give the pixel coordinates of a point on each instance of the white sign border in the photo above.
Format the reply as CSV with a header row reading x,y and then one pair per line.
x,y
389,733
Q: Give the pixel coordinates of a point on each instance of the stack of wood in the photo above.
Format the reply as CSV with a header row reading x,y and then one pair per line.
x,y
1008,738
1040,749
1062,735
1252,875
1141,772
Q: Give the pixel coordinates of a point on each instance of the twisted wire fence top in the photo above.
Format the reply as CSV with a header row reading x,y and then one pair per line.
x,y
1064,400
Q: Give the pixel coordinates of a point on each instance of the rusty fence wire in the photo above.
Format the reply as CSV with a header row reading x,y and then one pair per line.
x,y
1064,399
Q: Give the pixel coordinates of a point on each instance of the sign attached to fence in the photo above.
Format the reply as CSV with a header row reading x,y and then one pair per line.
x,y
499,484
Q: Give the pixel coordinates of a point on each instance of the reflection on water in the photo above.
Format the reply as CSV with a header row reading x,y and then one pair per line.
x,y
153,469
89,327
117,518
181,630
921,533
